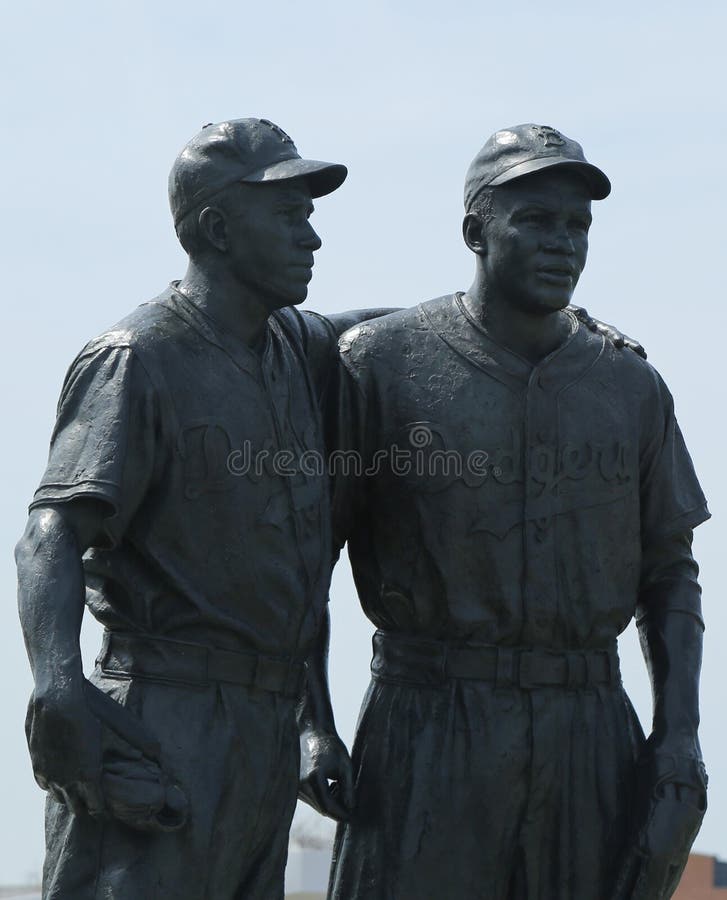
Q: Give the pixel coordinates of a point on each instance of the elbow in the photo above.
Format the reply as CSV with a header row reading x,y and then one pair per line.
x,y
27,545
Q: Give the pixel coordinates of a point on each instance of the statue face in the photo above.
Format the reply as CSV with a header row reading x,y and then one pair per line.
x,y
270,241
537,240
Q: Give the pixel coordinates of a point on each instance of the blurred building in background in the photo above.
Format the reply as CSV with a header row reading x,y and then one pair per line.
x,y
705,878
306,877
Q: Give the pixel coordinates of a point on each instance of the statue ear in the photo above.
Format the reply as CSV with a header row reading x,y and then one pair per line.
x,y
473,232
213,226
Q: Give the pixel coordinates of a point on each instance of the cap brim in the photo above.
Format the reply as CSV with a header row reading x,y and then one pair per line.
x,y
322,177
597,181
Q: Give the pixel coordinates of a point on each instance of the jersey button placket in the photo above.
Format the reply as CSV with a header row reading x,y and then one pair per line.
x,y
540,472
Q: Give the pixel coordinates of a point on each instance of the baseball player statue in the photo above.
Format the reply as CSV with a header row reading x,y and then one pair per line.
x,y
524,493
173,772
177,507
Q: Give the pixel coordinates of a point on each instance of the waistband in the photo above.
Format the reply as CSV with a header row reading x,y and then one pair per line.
x,y
181,662
409,660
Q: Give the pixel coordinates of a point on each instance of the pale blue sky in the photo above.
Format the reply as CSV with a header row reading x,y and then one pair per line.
x,y
99,97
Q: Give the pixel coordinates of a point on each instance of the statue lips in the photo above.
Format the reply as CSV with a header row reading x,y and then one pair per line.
x,y
557,273
307,265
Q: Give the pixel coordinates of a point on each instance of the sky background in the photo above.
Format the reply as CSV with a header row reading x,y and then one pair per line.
x,y
99,98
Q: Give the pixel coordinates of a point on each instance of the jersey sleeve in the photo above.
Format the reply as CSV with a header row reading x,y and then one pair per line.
x,y
320,340
671,498
105,438
352,433
320,345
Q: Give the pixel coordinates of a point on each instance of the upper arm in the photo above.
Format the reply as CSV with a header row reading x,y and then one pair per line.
x,y
343,321
103,453
50,524
671,499
84,516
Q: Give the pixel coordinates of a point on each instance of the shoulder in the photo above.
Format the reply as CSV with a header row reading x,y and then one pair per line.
x,y
149,324
627,362
305,329
126,348
635,377
391,334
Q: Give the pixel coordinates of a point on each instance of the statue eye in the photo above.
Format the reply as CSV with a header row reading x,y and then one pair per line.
x,y
580,225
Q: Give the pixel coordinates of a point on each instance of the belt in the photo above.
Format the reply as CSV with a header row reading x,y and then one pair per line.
x,y
161,659
429,662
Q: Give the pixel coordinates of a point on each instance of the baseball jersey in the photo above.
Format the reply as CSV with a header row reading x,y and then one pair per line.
x,y
215,531
501,501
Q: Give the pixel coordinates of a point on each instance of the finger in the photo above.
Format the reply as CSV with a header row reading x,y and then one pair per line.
x,y
327,800
56,794
333,805
72,800
139,769
627,876
307,795
42,782
345,786
92,798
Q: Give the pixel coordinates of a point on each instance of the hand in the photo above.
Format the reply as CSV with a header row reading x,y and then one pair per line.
x,y
95,756
139,794
326,776
672,806
64,740
612,334
136,789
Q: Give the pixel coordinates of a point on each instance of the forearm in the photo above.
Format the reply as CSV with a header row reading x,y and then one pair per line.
x,y
51,602
315,711
343,321
671,629
672,645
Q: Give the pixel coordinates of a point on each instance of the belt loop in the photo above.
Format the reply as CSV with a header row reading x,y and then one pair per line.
x,y
445,661
505,668
296,677
592,674
574,678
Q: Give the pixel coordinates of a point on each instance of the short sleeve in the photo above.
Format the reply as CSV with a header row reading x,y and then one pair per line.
x,y
321,349
104,441
320,339
671,498
351,431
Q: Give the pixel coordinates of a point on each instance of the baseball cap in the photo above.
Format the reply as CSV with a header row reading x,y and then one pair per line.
x,y
250,150
524,149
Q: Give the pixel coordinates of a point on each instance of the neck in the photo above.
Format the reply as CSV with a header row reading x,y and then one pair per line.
x,y
232,305
532,335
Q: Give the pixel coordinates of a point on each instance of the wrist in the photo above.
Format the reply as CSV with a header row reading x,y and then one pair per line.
x,y
316,732
51,691
677,741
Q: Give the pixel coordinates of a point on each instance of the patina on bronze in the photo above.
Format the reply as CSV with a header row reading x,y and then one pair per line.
x,y
545,499
173,772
